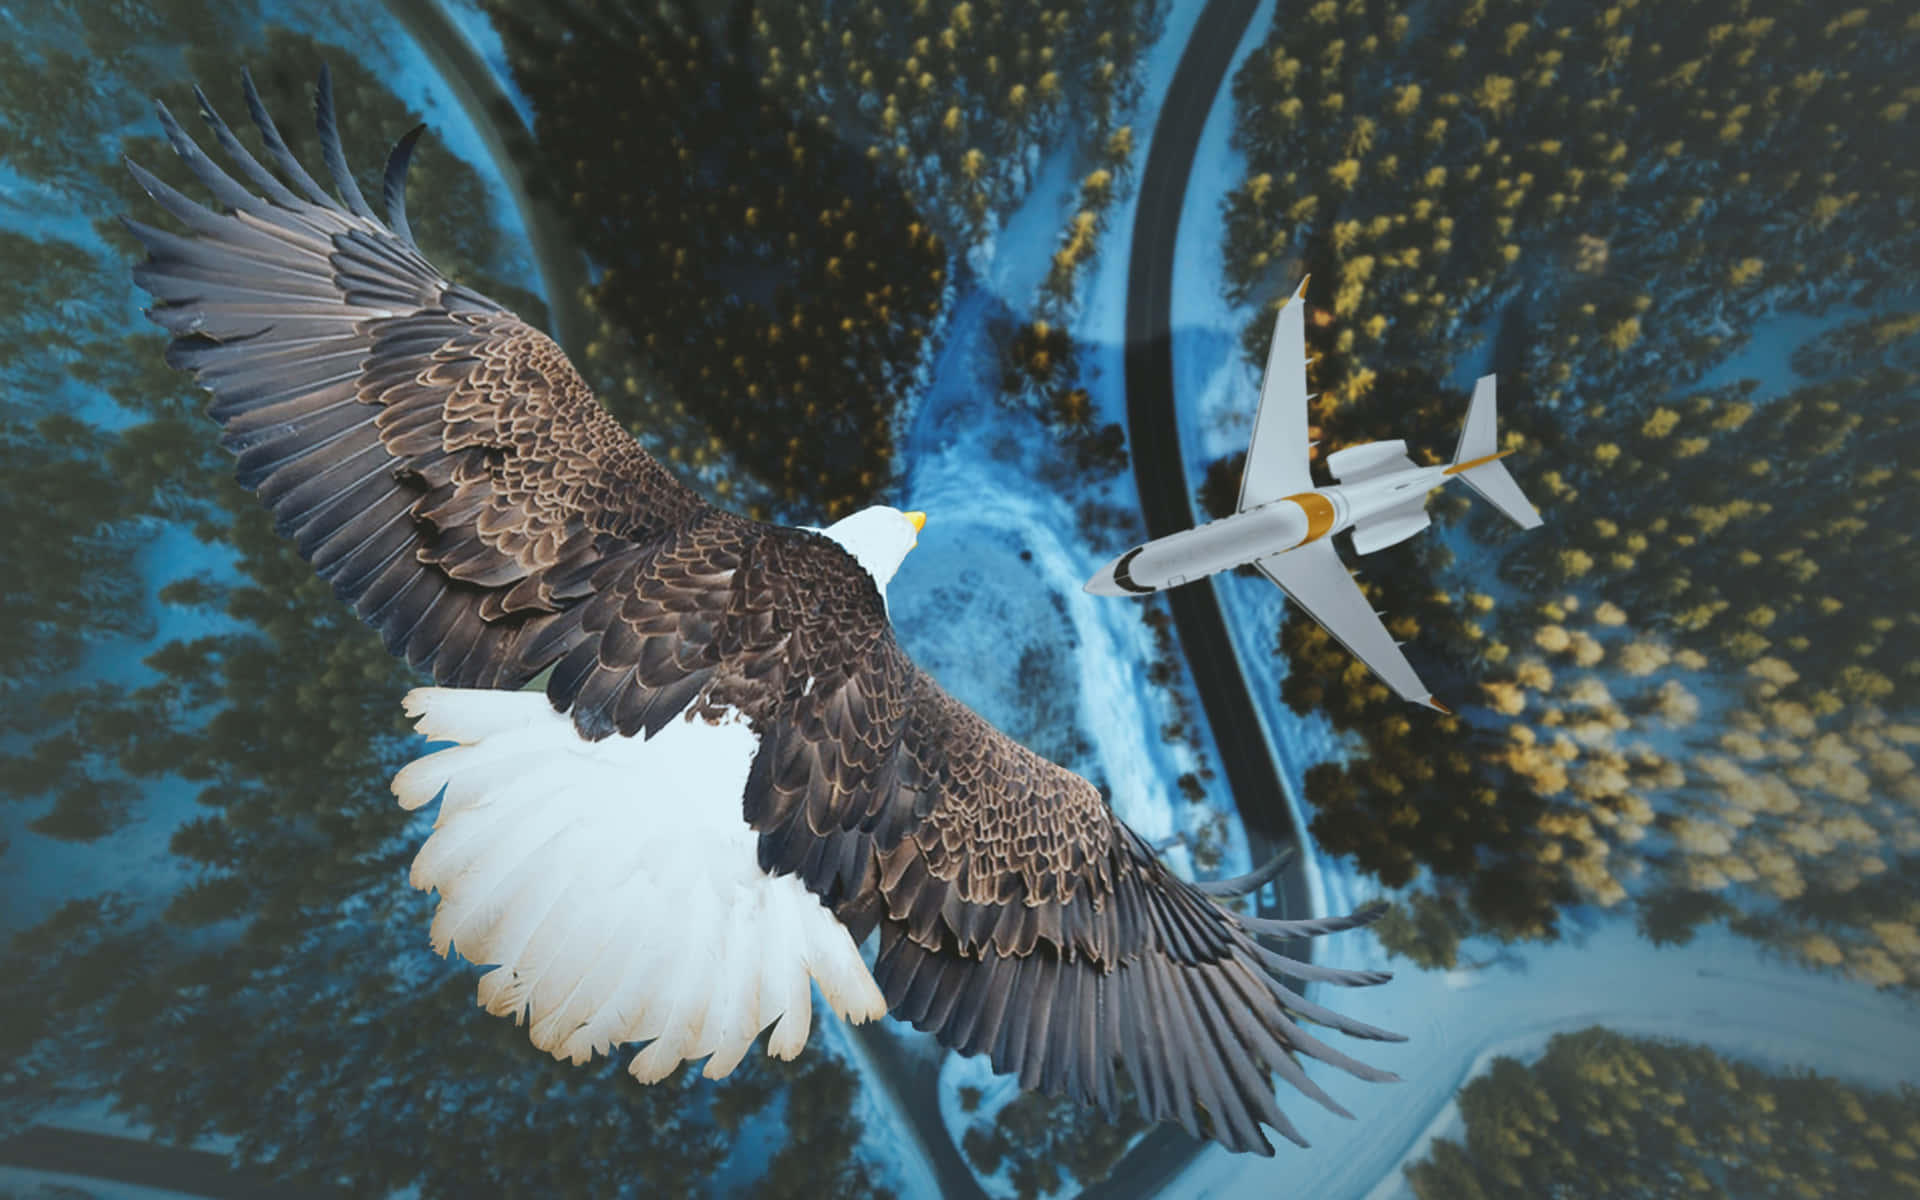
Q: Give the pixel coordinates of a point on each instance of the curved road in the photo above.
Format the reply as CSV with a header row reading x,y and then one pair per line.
x,y
1253,777
97,1157
1152,432
510,142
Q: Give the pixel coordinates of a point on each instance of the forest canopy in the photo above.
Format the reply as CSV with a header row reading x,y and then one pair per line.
x,y
1604,1114
1690,696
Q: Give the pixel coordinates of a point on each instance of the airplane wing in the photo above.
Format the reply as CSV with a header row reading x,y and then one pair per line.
x,y
1313,577
1277,456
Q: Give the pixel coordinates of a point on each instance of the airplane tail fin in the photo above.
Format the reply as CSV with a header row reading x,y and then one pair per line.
x,y
1476,460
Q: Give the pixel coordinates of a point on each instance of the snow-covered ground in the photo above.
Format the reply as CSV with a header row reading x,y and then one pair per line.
x,y
1100,328
51,1185
996,1092
97,1116
999,519
999,572
1767,354
1720,990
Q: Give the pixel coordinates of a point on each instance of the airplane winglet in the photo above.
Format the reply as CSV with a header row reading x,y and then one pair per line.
x,y
1279,461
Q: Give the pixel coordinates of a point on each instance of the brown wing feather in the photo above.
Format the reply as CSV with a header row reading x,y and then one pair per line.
x,y
435,458
450,472
1020,919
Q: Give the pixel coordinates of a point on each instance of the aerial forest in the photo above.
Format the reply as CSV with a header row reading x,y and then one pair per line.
x,y
1601,1113
1691,696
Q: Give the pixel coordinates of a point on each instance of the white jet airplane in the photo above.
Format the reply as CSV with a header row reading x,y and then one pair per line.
x,y
1285,522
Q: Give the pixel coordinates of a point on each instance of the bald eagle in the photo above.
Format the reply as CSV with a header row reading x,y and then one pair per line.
x,y
735,776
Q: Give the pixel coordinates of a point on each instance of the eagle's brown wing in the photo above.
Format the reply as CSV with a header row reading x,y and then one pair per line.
x,y
439,461
1019,918
448,470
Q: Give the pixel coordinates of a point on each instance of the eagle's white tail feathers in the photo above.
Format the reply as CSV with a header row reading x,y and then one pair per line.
x,y
618,888
469,715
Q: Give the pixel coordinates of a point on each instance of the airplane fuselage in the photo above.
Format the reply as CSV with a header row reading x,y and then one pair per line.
x,y
1270,528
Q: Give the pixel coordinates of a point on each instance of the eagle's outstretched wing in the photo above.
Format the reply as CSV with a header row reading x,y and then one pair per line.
x,y
447,469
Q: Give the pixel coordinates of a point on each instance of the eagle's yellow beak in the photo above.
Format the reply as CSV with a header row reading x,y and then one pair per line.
x,y
918,520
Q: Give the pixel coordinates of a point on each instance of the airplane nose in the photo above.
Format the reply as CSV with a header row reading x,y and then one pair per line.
x,y
1102,583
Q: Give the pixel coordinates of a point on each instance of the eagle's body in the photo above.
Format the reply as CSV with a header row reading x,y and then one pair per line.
x,y
736,775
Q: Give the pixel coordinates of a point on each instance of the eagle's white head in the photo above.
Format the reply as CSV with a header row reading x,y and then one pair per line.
x,y
878,538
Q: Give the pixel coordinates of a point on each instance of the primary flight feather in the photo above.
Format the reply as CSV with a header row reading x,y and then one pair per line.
x,y
735,775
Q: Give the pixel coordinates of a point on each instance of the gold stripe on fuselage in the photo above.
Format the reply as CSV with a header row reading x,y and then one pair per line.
x,y
1470,464
1319,512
